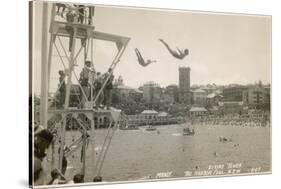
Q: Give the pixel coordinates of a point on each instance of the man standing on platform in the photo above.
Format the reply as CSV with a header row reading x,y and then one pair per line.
x,y
71,17
108,88
84,82
61,88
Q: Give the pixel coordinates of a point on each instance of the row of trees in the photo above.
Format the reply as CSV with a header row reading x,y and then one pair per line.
x,y
134,104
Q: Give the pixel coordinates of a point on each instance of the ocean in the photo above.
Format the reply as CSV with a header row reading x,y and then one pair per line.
x,y
139,154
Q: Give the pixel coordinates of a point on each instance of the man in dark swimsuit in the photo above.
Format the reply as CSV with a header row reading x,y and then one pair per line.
x,y
141,60
179,54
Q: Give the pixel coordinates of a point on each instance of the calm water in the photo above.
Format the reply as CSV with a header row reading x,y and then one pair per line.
x,y
137,154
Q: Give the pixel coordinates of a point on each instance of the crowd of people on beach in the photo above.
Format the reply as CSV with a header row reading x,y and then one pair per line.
x,y
255,120
91,89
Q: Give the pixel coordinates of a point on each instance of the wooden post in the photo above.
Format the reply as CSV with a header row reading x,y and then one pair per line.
x,y
84,152
62,141
53,154
93,143
70,68
44,68
67,95
49,73
51,42
92,60
106,146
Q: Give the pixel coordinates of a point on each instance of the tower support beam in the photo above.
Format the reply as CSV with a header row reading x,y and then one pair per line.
x,y
44,69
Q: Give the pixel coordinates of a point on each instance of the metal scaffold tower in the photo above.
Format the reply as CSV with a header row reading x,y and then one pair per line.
x,y
78,25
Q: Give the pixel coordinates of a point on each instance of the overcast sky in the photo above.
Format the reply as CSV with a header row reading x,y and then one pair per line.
x,y
223,48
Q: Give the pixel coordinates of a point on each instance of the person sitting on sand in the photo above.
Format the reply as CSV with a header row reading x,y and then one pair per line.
x,y
142,62
179,54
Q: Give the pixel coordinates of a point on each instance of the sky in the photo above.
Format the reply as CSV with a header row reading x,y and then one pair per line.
x,y
223,48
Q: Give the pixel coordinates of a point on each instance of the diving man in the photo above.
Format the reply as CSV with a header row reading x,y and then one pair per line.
x,y
179,54
142,62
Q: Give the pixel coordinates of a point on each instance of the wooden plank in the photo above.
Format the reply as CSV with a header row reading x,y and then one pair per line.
x,y
60,29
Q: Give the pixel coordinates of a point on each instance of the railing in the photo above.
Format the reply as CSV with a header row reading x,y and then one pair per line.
x,y
75,13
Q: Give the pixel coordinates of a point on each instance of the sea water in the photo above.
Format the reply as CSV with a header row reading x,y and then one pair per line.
x,y
166,153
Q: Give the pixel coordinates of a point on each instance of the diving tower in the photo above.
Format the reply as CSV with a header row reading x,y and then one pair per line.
x,y
62,29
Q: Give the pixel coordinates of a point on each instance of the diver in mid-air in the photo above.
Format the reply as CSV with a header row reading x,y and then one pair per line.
x,y
142,62
179,54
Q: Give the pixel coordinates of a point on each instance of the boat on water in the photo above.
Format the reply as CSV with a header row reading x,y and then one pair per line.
x,y
187,131
150,128
129,127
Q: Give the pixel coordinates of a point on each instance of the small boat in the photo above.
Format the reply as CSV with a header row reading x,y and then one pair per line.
x,y
150,128
129,127
187,131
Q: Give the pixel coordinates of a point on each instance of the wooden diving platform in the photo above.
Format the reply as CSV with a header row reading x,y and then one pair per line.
x,y
83,31
65,29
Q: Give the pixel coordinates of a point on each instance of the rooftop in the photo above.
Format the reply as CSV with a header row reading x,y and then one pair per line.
x,y
163,114
214,108
199,91
149,112
212,95
198,109
231,103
